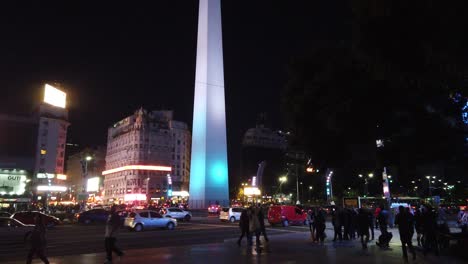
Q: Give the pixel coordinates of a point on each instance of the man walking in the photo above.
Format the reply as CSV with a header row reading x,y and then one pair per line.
x,y
405,222
112,229
363,226
261,220
38,240
244,227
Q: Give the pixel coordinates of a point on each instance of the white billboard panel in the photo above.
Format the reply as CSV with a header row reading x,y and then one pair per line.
x,y
54,96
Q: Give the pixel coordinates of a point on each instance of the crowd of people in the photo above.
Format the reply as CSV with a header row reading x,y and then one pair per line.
x,y
351,223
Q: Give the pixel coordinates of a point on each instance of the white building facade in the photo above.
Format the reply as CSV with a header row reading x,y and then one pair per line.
x,y
140,158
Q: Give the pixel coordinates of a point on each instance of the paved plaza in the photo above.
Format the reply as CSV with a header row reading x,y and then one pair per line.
x,y
286,246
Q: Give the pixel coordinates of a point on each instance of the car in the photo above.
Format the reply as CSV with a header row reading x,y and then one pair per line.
x,y
230,214
98,216
214,209
140,220
286,215
92,216
12,231
27,217
5,214
176,213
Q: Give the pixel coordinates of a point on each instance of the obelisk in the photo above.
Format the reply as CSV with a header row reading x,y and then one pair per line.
x,y
209,169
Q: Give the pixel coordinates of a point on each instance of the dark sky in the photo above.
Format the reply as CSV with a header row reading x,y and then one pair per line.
x,y
112,59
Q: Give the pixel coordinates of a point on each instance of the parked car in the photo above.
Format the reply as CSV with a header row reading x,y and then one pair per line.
x,y
146,219
5,214
230,214
286,215
27,217
214,209
92,216
12,231
176,213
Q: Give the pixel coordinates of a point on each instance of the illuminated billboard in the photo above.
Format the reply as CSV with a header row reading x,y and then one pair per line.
x,y
134,197
54,96
93,184
12,184
51,188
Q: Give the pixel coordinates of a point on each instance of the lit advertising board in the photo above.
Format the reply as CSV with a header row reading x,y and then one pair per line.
x,y
54,96
12,184
93,184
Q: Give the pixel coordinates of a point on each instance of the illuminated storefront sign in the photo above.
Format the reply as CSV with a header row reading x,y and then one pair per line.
x,y
137,167
51,176
134,197
251,191
12,184
51,188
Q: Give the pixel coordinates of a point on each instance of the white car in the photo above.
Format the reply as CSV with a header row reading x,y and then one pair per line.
x,y
146,219
230,214
174,212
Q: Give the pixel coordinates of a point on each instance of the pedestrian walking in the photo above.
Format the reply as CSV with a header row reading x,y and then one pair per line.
x,y
254,226
261,221
405,222
418,224
112,229
346,223
320,225
429,241
244,227
372,223
363,226
337,224
38,240
310,219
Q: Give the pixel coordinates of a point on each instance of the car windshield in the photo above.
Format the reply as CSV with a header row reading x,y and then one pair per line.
x,y
226,210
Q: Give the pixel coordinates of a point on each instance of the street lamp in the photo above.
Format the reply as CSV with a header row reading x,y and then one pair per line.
x,y
366,182
429,182
88,158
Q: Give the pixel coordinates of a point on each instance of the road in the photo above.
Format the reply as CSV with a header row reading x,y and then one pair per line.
x,y
81,239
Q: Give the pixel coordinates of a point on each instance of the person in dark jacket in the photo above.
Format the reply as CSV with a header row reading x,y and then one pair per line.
x,y
38,241
418,224
320,225
244,227
429,228
112,229
261,220
337,224
372,223
405,222
363,226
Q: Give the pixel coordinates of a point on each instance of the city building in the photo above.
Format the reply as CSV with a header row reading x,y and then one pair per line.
x,y
262,144
147,158
84,172
32,150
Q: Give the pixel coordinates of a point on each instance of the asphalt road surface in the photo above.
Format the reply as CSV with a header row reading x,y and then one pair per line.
x,y
80,239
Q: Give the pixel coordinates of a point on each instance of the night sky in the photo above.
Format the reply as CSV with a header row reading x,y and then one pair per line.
x,y
113,59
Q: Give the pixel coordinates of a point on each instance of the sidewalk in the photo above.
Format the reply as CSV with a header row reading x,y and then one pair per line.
x,y
285,248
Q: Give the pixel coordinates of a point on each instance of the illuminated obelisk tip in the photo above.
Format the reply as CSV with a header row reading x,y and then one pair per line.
x,y
209,169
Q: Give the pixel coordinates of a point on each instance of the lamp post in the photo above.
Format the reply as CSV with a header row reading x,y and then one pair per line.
x,y
366,182
310,193
282,180
429,182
